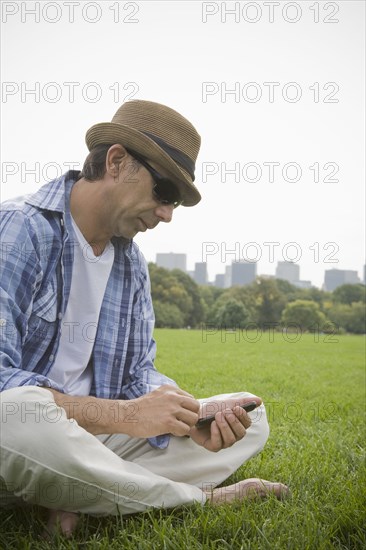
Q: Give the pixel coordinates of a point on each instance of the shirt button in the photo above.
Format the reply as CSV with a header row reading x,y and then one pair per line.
x,y
51,358
59,315
2,322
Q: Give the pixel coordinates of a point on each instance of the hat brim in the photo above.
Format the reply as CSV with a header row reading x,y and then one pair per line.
x,y
110,132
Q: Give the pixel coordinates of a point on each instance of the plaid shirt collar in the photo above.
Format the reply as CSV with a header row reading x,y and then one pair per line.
x,y
52,196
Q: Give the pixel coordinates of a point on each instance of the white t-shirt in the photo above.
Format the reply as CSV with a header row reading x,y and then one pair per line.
x,y
90,274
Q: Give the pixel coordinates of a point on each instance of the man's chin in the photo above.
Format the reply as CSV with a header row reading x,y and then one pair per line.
x,y
127,235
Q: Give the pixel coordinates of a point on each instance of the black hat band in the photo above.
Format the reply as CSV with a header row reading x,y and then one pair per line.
x,y
181,158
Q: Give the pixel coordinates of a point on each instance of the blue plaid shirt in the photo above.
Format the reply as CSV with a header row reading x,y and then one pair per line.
x,y
35,277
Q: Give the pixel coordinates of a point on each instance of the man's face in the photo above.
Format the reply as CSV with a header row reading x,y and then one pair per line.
x,y
131,204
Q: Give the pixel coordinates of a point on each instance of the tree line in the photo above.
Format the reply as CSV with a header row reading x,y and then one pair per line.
x,y
179,302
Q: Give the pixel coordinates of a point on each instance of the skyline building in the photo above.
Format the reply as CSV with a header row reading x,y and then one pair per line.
x,y
220,280
171,260
334,278
243,273
227,277
288,271
200,273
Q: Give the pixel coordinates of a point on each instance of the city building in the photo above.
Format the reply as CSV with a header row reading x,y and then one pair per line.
x,y
200,273
243,273
220,280
227,276
288,271
334,278
171,260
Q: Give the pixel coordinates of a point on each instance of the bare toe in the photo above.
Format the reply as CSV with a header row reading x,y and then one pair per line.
x,y
248,489
60,520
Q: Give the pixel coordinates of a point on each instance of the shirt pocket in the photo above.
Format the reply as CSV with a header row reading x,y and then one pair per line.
x,y
42,323
45,304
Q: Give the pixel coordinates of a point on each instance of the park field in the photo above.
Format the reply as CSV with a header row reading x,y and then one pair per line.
x,y
314,389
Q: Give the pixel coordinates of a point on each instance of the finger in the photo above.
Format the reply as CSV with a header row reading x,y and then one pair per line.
x,y
187,416
255,398
239,421
237,425
179,428
242,417
231,429
215,442
191,404
188,401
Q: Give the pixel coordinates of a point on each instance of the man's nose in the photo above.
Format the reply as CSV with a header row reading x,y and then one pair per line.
x,y
164,212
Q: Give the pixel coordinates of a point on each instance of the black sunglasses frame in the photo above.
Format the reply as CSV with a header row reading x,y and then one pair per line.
x,y
164,190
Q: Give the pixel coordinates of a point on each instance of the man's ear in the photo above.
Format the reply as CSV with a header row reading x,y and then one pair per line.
x,y
116,155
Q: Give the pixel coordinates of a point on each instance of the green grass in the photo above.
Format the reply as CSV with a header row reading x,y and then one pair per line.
x,y
315,395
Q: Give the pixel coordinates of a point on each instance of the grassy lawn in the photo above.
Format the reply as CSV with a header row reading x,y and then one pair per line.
x,y
314,388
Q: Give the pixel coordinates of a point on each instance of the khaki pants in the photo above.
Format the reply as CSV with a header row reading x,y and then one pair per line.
x,y
51,461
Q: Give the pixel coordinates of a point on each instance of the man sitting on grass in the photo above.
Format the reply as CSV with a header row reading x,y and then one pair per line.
x,y
88,424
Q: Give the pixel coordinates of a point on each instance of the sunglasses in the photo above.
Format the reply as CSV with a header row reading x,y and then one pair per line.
x,y
164,191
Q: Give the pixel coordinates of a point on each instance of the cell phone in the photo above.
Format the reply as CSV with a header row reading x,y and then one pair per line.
x,y
203,422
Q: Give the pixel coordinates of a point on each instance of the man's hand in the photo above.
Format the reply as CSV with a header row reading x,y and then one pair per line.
x,y
229,426
165,410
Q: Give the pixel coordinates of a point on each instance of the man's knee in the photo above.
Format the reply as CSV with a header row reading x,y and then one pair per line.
x,y
259,427
15,397
26,410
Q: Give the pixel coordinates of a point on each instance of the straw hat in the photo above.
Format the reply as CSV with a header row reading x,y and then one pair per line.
x,y
159,134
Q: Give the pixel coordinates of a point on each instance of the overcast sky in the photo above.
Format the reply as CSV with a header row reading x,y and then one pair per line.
x,y
276,90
